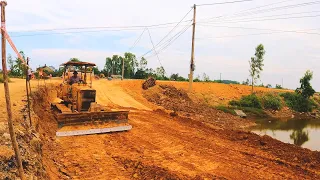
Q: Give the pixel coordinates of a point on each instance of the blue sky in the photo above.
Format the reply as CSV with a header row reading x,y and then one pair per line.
x,y
217,48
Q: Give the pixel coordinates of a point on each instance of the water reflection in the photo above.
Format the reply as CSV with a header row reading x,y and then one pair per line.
x,y
299,132
299,137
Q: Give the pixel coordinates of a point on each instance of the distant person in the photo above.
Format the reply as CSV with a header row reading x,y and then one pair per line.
x,y
74,78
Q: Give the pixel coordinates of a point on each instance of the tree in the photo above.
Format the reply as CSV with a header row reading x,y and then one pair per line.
x,y
278,86
130,63
18,69
306,89
108,66
143,63
10,62
174,77
160,73
74,59
256,64
205,77
247,82
268,86
96,70
197,79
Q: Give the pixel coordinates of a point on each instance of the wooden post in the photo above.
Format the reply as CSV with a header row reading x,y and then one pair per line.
x,y
192,49
7,94
122,77
28,92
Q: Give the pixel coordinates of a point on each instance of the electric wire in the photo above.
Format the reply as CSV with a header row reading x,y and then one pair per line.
x,y
245,13
154,49
167,34
219,3
137,40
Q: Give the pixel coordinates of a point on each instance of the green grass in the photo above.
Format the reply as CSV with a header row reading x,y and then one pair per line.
x,y
225,109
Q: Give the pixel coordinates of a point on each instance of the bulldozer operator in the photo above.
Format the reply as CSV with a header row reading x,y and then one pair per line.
x,y
74,79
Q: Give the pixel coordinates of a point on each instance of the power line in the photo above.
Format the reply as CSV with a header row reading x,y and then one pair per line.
x,y
276,15
102,27
239,12
249,28
229,2
244,13
76,32
137,40
171,40
154,48
167,34
255,34
270,19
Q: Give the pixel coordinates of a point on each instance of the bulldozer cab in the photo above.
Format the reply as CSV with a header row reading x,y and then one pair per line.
x,y
77,96
83,69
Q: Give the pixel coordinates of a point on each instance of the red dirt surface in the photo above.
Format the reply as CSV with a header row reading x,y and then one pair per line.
x,y
164,147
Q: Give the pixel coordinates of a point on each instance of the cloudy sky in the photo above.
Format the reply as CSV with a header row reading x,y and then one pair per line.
x,y
226,35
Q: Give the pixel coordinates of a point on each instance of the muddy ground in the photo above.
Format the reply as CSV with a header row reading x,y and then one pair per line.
x,y
173,137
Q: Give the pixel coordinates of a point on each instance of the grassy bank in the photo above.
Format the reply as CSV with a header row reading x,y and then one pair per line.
x,y
257,105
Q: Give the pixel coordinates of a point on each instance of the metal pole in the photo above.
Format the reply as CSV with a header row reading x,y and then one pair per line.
x,y
192,49
7,93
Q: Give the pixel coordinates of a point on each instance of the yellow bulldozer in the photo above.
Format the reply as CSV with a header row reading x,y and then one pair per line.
x,y
77,104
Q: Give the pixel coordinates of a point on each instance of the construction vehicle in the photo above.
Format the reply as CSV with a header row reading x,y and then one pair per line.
x,y
76,103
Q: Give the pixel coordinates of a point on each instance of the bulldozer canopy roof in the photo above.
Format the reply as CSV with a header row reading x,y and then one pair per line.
x,y
72,63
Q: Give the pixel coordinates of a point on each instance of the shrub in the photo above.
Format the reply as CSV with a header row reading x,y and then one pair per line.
x,y
297,102
234,103
250,101
247,101
271,101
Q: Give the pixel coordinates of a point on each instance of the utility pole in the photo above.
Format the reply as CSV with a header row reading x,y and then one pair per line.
x,y
192,49
122,69
7,93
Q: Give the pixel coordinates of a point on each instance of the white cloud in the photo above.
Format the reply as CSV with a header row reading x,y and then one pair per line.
x,y
59,56
288,54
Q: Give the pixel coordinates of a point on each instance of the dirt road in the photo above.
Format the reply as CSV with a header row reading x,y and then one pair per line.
x,y
163,147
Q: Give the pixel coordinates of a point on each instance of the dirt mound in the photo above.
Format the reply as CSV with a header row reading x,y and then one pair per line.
x,y
179,101
170,98
150,82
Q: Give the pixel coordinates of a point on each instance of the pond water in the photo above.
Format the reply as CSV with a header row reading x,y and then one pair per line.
x,y
304,133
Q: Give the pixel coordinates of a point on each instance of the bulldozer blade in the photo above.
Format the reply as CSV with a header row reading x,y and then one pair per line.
x,y
93,131
65,119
